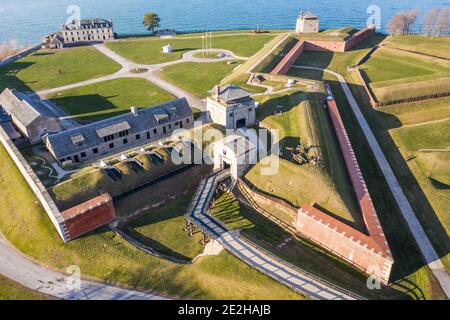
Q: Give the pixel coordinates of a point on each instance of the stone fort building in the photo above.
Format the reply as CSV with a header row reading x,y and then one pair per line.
x,y
307,22
80,31
231,107
101,139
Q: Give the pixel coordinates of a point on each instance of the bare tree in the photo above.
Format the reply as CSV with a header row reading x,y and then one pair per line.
x,y
430,22
436,21
9,48
402,22
442,22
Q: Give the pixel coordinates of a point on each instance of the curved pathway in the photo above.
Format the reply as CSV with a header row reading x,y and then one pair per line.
x,y
426,248
150,75
270,265
19,268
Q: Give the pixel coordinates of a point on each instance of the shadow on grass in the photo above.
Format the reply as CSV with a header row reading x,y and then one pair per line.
x,y
9,79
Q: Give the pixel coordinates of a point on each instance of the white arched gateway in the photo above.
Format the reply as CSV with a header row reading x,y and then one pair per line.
x,y
236,153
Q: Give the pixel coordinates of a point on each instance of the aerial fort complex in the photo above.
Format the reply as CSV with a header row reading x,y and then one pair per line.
x,y
110,153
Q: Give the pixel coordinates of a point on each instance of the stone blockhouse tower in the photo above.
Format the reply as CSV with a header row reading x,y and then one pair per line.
x,y
231,107
307,22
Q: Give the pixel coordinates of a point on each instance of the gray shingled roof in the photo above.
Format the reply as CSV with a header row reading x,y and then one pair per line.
x,y
146,119
90,22
308,15
19,105
113,128
232,93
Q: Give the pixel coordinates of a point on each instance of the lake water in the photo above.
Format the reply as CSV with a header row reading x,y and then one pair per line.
x,y
29,20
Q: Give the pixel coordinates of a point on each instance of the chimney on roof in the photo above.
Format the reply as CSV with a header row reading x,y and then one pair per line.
x,y
134,111
217,92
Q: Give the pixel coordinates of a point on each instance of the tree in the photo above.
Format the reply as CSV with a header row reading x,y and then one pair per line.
x,y
402,22
430,22
435,22
442,22
151,21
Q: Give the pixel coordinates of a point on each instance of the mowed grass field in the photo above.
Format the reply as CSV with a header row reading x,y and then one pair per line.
x,y
10,290
394,73
149,50
437,47
413,113
197,78
431,168
305,122
103,256
161,230
109,98
51,69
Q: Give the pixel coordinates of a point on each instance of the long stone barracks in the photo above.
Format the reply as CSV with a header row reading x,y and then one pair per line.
x,y
25,118
100,139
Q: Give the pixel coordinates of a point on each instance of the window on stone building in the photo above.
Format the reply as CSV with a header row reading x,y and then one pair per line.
x,y
125,141
83,154
95,150
111,145
138,136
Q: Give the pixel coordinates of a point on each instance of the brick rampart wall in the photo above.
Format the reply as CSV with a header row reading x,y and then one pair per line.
x,y
369,253
320,45
89,215
288,61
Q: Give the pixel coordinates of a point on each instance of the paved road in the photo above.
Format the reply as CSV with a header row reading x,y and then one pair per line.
x,y
15,266
425,246
279,270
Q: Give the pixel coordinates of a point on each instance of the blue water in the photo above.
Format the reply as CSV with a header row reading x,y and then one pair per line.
x,y
28,20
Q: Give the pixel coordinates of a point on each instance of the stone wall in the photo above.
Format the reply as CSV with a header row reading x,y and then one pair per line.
x,y
69,225
36,185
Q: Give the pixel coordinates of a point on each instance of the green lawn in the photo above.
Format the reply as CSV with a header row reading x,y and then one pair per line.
x,y
10,290
384,66
431,169
305,122
51,69
437,47
103,256
109,98
149,51
161,230
414,113
240,76
330,34
433,135
197,78
395,74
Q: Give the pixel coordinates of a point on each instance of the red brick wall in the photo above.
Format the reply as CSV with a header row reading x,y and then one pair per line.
x,y
325,45
89,215
320,45
347,243
288,61
358,37
371,252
